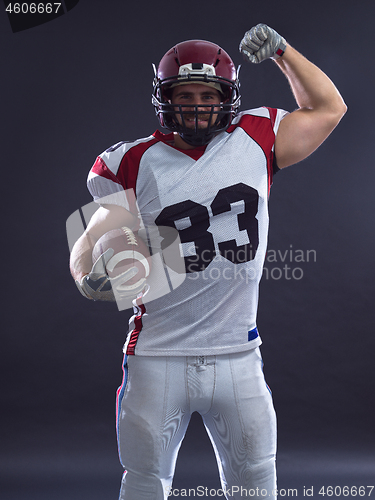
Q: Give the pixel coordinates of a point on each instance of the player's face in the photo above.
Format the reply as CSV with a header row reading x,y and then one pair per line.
x,y
198,95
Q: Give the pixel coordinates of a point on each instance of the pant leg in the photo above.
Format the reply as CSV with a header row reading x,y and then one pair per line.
x,y
153,417
242,426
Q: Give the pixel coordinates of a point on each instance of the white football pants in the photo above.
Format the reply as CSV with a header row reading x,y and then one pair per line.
x,y
155,403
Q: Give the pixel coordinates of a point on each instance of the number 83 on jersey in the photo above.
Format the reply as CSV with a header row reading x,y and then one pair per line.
x,y
197,229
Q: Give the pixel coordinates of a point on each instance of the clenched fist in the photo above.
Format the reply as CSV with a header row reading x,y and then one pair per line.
x,y
262,42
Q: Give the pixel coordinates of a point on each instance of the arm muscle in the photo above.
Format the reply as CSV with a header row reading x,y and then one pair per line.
x,y
321,107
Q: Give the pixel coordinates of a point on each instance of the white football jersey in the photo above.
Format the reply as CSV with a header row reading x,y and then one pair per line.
x,y
202,300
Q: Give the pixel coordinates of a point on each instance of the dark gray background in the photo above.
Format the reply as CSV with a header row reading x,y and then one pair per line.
x,y
74,86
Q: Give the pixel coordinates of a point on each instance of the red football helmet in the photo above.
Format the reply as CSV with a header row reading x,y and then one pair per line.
x,y
196,61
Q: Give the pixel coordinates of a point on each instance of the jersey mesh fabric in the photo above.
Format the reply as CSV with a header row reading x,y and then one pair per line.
x,y
218,203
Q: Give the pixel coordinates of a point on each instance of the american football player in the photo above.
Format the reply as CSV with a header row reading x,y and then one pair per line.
x,y
196,348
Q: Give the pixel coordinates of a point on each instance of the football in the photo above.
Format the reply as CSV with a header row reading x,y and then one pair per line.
x,y
130,263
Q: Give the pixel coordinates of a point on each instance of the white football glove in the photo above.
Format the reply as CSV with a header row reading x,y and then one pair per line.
x,y
262,42
96,285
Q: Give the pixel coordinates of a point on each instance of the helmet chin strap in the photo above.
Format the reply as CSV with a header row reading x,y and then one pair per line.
x,y
196,140
197,137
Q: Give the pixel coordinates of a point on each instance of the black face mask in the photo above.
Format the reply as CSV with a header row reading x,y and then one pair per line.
x,y
174,119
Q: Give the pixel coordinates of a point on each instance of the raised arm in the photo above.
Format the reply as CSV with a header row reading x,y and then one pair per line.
x,y
320,106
